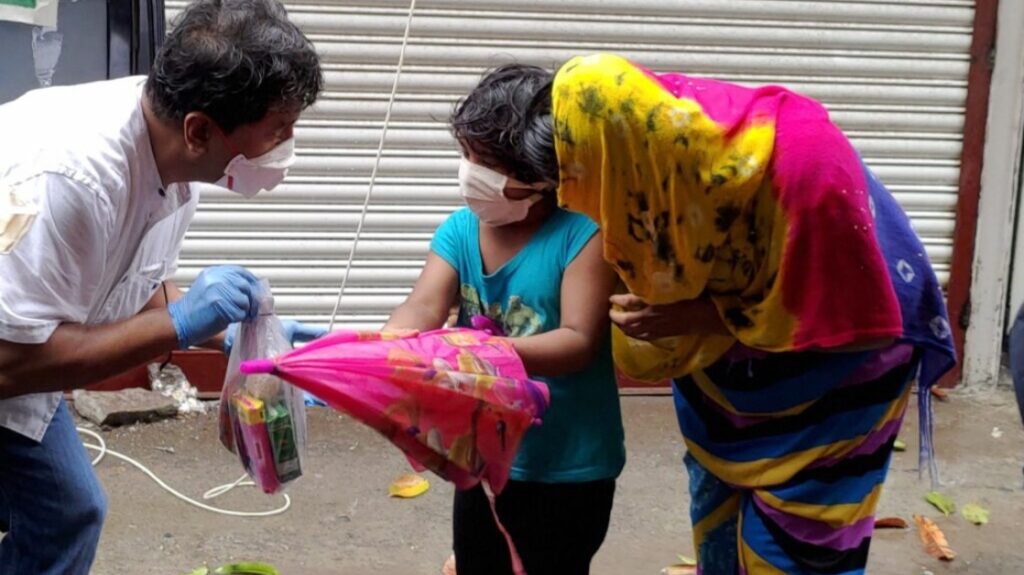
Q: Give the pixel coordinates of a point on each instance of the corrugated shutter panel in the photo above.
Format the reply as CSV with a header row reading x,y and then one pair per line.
x,y
894,75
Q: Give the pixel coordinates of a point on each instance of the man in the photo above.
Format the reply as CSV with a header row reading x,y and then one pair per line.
x,y
97,178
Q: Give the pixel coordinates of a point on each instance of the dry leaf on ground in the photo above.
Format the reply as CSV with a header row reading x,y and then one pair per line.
x,y
408,485
933,539
891,523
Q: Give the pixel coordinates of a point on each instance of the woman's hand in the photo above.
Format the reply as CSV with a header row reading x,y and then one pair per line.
x,y
646,322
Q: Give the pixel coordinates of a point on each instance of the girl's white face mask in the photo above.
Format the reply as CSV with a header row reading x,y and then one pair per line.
x,y
484,192
249,177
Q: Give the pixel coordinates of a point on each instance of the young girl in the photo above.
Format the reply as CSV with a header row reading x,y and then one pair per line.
x,y
537,273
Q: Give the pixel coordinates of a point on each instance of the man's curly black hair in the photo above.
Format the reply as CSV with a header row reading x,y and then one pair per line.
x,y
234,60
506,120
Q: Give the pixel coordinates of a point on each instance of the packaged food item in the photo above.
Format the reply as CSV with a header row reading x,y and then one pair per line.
x,y
284,448
255,442
262,418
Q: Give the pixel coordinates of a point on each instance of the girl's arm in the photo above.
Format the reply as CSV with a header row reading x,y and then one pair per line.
x,y
586,286
428,305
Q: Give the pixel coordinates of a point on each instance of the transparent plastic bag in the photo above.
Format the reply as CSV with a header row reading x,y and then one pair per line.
x,y
262,418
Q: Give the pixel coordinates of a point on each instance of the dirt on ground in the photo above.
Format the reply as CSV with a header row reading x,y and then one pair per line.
x,y
342,522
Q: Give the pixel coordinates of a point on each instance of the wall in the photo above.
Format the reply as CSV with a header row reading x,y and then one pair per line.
x,y
998,202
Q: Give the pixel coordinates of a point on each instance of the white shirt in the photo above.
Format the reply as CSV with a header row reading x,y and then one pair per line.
x,y
107,232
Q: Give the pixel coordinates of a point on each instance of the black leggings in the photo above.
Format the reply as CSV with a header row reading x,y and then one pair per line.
x,y
556,527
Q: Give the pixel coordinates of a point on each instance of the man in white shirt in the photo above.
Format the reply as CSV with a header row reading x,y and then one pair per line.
x,y
96,192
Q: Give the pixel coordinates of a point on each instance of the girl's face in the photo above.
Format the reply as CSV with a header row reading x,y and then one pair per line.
x,y
494,195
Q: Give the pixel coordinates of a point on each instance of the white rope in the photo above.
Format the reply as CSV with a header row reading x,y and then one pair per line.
x,y
376,166
101,448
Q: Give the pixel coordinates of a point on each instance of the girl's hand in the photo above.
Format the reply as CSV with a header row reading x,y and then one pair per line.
x,y
646,322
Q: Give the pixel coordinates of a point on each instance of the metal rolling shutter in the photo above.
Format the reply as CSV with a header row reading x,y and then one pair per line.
x,y
894,75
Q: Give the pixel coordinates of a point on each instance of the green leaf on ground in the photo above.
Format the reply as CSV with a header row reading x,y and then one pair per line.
x,y
975,513
684,560
941,502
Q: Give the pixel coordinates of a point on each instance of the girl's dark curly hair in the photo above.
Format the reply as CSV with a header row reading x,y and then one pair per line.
x,y
506,120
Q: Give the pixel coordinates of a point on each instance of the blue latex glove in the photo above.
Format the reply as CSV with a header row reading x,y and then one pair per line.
x,y
295,332
314,401
220,296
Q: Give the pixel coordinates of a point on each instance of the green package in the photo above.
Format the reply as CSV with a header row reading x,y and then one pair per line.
x,y
282,441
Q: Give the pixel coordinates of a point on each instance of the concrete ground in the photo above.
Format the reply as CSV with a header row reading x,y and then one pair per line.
x,y
342,522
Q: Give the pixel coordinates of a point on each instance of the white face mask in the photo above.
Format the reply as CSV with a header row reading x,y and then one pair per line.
x,y
251,176
484,192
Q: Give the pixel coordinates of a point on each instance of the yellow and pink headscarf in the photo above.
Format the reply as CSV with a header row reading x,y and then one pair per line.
x,y
751,196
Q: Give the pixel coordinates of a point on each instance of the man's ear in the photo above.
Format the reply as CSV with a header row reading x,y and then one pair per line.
x,y
198,130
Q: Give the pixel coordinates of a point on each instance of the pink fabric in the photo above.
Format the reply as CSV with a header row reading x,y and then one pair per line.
x,y
456,401
517,561
820,182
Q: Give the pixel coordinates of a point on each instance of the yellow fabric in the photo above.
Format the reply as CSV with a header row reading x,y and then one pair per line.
x,y
729,510
714,393
667,357
836,515
754,564
627,146
607,110
760,473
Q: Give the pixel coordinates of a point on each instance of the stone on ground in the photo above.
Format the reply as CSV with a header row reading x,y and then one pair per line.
x,y
113,408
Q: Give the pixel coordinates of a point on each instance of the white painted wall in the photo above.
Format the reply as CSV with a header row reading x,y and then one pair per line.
x,y
998,204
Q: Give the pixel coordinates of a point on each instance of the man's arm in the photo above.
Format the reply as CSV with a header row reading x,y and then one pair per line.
x,y
77,356
170,292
